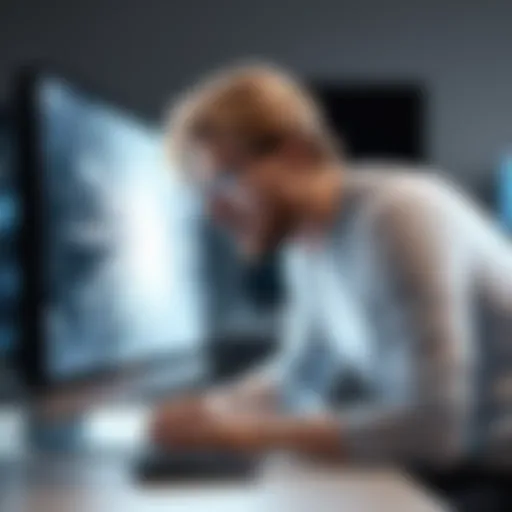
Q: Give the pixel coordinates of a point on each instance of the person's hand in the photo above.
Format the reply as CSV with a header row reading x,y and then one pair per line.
x,y
228,417
174,423
206,423
194,421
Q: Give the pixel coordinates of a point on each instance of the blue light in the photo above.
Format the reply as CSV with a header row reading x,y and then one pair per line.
x,y
505,192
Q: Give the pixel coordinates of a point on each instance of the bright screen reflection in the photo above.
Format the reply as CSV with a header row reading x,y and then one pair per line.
x,y
120,254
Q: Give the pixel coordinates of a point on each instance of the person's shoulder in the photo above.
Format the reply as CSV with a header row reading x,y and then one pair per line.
x,y
393,190
413,207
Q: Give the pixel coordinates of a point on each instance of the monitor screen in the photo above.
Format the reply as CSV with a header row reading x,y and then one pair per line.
x,y
10,271
119,268
505,192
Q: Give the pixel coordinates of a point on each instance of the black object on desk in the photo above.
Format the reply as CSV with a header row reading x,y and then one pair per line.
x,y
157,465
470,486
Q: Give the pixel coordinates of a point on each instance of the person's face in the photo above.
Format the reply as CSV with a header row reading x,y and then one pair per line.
x,y
251,196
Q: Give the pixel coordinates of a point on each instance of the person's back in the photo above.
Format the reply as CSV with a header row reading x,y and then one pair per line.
x,y
428,255
465,224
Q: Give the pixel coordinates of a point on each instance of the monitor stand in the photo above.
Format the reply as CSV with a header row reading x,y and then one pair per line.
x,y
62,436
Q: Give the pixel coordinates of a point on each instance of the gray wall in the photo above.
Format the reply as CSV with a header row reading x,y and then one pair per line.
x,y
141,52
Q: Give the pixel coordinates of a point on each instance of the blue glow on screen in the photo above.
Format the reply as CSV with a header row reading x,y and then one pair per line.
x,y
505,192
120,249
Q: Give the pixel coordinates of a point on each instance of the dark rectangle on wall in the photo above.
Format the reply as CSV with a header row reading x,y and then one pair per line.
x,y
376,120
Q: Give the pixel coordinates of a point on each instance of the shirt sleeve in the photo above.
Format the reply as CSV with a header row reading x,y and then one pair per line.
x,y
292,331
426,260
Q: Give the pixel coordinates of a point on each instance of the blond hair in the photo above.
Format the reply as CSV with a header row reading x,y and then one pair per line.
x,y
254,103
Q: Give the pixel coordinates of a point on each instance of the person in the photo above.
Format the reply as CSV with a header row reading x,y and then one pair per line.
x,y
399,312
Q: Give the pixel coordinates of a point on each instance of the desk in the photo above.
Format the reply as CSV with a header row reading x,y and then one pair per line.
x,y
100,480
104,484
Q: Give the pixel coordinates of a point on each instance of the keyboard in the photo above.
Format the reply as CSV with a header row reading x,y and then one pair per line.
x,y
160,466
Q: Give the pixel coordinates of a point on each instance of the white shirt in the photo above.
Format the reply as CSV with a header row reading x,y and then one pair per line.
x,y
399,291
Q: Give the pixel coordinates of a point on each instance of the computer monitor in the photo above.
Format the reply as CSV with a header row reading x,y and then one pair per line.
x,y
111,265
504,192
10,271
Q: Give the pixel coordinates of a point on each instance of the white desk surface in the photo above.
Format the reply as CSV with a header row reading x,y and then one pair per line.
x,y
106,485
104,482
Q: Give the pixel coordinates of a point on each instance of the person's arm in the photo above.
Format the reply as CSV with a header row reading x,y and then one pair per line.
x,y
226,413
430,268
260,388
248,408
